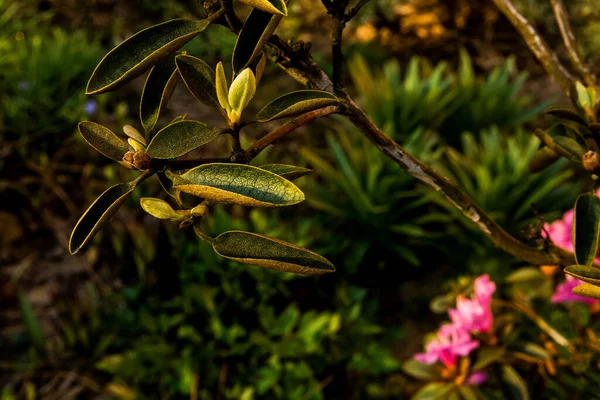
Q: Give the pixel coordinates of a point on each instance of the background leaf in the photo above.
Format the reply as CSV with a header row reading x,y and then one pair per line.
x,y
586,228
103,140
263,251
138,53
257,30
289,172
270,6
295,103
584,273
516,384
180,138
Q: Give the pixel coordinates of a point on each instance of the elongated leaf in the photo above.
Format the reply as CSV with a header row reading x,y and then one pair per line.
x,y
199,78
138,53
565,113
222,87
467,393
289,172
134,134
581,99
572,149
587,290
263,251
103,139
241,91
105,206
433,391
583,273
296,103
179,138
586,228
257,30
418,370
516,385
487,356
158,89
270,6
161,209
542,159
239,184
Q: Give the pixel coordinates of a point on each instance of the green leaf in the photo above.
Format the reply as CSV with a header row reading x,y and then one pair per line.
x,y
542,159
199,78
583,100
134,134
137,54
525,274
105,206
586,228
158,89
467,393
255,33
263,251
537,351
103,140
574,151
238,184
515,384
296,103
565,113
161,209
222,87
418,370
433,391
583,273
587,290
289,172
180,138
270,6
487,356
241,91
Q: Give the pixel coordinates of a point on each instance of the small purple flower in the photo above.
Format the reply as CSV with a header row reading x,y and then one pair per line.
x,y
24,85
477,378
91,107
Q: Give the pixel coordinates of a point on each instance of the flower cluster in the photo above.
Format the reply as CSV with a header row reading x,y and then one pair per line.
x,y
561,234
454,340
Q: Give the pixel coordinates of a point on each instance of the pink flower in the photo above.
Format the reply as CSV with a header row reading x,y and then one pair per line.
x,y
564,292
477,378
452,342
475,315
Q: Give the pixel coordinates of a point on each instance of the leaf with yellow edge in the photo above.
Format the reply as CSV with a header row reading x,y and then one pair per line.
x,y
255,33
270,6
289,172
180,138
134,134
238,184
586,228
138,53
583,273
222,87
296,103
587,290
161,209
199,78
267,252
103,140
101,210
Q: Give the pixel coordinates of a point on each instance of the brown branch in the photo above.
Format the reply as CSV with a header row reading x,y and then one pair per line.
x,y
566,31
536,44
502,239
354,10
284,129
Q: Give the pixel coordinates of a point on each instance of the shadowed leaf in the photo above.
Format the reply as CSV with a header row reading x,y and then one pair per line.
x,y
296,103
542,159
572,149
586,228
179,138
517,389
31,322
565,113
270,6
158,89
103,140
238,184
418,370
105,206
263,251
487,356
139,52
161,209
199,78
583,273
433,391
289,172
257,30
587,290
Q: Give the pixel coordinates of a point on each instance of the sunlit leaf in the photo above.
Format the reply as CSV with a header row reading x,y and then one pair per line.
x,y
257,30
584,100
270,6
158,89
584,273
134,134
138,53
105,206
222,87
199,78
238,184
289,172
418,370
517,389
570,146
161,209
180,138
586,228
104,140
241,91
296,103
587,290
263,251
525,274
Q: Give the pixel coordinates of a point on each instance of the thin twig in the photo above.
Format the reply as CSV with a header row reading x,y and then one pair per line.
x,y
354,10
536,44
566,31
286,128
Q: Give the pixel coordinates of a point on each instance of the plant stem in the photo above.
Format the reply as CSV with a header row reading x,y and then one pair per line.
x,y
286,128
337,53
354,10
566,31
536,44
